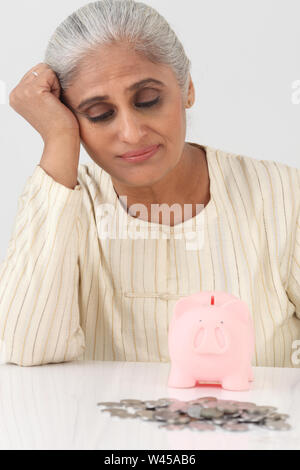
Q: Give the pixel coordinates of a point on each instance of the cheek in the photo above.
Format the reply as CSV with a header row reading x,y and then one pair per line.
x,y
91,135
178,113
87,130
172,121
90,139
177,120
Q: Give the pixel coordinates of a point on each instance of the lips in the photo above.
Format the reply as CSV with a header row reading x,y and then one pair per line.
x,y
139,152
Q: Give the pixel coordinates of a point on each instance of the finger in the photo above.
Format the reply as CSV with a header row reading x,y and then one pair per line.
x,y
51,79
39,68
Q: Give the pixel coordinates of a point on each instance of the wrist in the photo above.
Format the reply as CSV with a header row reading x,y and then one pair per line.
x,y
69,136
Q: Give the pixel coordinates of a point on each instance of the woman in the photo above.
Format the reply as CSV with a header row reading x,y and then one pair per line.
x,y
72,286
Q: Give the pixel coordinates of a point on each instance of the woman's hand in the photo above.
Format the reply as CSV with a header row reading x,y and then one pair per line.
x,y
37,99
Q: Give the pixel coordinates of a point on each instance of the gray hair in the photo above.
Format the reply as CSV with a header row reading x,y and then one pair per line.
x,y
107,22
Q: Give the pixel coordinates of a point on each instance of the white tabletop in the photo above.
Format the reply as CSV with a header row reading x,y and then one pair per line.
x,y
55,407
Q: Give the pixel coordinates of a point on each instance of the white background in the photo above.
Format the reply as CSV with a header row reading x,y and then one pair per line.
x,y
245,59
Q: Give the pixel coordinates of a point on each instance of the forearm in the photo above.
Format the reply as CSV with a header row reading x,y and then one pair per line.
x,y
60,159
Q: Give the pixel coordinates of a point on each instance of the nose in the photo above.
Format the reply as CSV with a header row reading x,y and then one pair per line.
x,y
131,127
210,339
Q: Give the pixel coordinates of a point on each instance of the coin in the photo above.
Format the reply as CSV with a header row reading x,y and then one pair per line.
x,y
167,400
163,402
181,420
227,409
145,414
204,399
151,405
110,410
235,426
194,411
277,416
251,418
136,407
120,413
202,414
211,413
245,404
209,404
195,402
108,403
172,427
277,425
164,415
129,401
218,421
180,406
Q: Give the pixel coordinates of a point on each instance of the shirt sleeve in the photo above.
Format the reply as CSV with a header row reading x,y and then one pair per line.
x,y
39,310
293,287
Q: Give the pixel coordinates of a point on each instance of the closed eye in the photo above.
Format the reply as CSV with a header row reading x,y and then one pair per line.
x,y
105,116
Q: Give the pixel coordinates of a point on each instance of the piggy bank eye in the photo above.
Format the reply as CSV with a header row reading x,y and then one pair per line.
x,y
221,321
200,320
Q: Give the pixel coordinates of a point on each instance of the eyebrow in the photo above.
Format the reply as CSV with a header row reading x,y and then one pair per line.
x,y
135,86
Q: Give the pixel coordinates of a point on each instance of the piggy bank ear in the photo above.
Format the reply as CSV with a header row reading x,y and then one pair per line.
x,y
181,306
237,308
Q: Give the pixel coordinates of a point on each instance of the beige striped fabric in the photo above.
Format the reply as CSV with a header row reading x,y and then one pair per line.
x,y
82,279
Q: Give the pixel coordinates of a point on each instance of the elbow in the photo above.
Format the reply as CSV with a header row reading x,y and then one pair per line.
x,y
30,357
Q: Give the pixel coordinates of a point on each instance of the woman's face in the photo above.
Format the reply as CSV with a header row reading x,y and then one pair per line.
x,y
120,123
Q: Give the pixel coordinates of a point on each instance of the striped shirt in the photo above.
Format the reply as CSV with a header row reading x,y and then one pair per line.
x,y
81,282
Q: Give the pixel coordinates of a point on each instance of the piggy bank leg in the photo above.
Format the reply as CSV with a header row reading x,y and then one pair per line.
x,y
179,379
250,374
238,381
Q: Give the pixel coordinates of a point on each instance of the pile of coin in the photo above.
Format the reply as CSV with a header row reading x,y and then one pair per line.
x,y
202,414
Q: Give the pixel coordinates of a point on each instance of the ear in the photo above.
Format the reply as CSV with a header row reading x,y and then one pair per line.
x,y
238,308
181,306
191,93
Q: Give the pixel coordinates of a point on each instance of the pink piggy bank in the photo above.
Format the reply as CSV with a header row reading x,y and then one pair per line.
x,y
211,339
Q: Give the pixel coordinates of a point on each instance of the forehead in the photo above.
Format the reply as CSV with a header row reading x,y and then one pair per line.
x,y
117,65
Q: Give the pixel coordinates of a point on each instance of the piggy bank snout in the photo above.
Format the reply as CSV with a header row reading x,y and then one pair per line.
x,y
210,338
